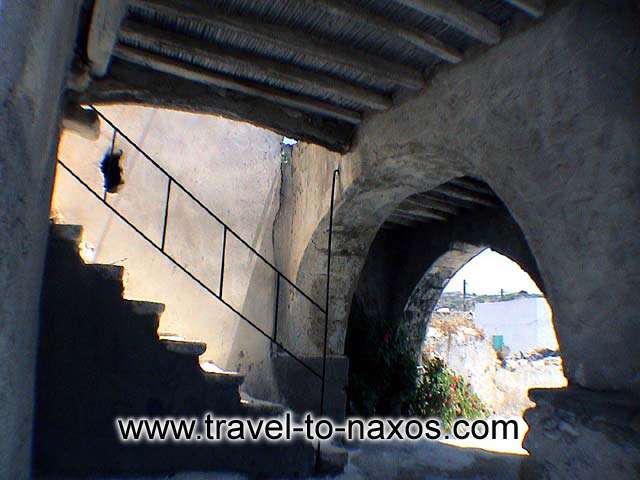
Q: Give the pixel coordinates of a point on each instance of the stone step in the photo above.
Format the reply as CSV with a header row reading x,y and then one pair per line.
x,y
73,290
147,312
72,233
260,408
142,307
215,374
177,344
108,272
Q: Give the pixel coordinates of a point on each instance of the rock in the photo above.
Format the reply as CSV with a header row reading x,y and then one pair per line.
x,y
502,387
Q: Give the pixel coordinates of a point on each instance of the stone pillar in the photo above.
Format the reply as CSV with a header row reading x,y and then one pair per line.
x,y
37,41
578,433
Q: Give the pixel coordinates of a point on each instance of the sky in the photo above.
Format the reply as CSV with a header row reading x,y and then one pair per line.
x,y
488,272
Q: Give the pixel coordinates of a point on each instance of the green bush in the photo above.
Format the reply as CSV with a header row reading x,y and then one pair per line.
x,y
443,394
382,377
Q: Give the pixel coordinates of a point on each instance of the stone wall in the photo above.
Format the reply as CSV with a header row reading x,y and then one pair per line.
x,y
37,41
525,324
548,119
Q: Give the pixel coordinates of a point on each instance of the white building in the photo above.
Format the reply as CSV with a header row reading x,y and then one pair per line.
x,y
523,324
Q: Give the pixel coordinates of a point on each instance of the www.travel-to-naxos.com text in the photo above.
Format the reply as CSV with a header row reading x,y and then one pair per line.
x,y
211,428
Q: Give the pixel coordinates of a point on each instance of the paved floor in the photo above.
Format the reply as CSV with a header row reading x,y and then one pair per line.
x,y
428,460
397,461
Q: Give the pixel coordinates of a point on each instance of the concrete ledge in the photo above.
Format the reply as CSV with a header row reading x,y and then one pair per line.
x,y
85,123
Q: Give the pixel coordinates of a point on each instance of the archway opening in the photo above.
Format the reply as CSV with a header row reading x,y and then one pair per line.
x,y
493,327
425,241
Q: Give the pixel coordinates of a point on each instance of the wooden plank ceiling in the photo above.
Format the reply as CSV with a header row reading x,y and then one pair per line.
x,y
458,196
309,69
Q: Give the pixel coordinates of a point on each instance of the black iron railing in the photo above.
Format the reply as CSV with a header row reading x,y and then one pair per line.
x,y
226,231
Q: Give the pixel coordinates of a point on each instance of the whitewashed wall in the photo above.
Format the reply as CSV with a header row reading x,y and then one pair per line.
x,y
525,323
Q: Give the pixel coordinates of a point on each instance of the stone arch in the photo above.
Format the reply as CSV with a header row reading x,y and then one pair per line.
x,y
407,269
426,294
361,209
428,290
562,160
553,131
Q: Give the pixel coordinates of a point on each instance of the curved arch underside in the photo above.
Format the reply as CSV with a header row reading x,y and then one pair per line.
x,y
554,134
407,269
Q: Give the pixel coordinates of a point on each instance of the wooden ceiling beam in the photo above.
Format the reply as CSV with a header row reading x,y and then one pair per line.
x,y
106,17
226,61
201,75
286,39
409,208
415,37
535,8
420,218
462,19
396,219
129,83
453,191
473,185
430,203
448,200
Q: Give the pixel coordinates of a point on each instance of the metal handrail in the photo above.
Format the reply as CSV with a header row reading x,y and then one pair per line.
x,y
206,209
336,172
171,181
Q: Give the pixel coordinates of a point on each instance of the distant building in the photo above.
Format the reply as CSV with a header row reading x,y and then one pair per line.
x,y
522,324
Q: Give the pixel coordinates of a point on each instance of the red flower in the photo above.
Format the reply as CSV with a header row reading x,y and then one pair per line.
x,y
387,337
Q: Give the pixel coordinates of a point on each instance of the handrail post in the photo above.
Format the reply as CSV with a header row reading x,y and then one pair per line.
x,y
275,314
113,146
166,214
336,172
224,248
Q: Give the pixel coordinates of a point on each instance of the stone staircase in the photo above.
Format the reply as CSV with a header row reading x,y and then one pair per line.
x,y
101,357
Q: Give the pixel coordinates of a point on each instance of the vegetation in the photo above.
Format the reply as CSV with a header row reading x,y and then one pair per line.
x,y
384,379
443,394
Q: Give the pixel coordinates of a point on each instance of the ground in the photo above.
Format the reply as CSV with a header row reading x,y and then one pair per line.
x,y
433,460
400,461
